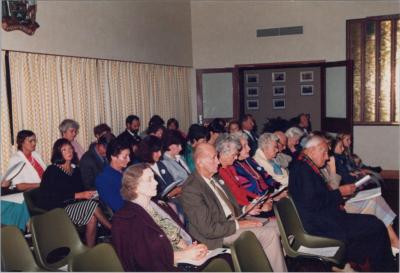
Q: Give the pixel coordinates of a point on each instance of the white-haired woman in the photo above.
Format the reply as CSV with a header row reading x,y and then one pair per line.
x,y
69,129
265,155
293,148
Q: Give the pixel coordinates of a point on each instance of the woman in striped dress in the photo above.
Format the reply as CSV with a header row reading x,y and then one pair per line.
x,y
62,187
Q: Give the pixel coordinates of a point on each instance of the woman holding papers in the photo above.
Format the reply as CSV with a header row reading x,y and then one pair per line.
x,y
147,236
375,205
31,172
62,187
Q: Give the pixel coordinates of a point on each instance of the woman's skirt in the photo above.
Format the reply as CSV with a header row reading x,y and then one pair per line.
x,y
81,211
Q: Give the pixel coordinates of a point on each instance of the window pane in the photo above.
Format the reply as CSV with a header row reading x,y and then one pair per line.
x,y
397,73
370,99
385,52
355,51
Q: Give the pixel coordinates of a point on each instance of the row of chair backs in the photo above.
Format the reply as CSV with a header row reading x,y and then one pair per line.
x,y
31,198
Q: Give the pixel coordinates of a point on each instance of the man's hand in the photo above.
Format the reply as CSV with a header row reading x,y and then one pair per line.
x,y
347,190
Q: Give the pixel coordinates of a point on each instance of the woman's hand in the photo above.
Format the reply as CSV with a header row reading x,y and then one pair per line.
x,y
193,252
85,194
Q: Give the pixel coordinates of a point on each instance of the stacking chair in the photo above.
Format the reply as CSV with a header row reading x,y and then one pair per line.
x,y
31,198
101,258
248,254
293,236
55,239
218,265
15,252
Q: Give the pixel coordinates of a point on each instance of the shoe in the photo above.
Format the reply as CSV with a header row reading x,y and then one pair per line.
x,y
395,251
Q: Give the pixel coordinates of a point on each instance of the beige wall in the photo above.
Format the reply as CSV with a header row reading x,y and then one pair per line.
x,y
224,34
150,31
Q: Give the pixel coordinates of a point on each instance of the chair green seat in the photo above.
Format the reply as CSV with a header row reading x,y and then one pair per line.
x,y
15,252
293,235
101,258
55,239
31,197
218,265
248,254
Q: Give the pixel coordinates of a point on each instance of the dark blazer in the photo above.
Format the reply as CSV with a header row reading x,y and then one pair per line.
x,y
91,165
139,242
252,141
164,180
128,138
342,170
207,221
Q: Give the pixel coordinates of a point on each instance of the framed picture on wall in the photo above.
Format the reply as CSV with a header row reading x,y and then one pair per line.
x,y
278,104
252,104
307,90
252,91
306,76
278,76
278,90
252,78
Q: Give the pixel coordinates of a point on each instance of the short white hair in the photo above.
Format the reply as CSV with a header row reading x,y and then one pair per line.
x,y
225,143
239,135
294,132
265,139
313,141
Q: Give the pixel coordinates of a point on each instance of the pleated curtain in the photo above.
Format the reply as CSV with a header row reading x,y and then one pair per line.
x,y
47,89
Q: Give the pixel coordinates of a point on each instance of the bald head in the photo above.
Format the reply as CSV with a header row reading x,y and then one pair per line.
x,y
206,160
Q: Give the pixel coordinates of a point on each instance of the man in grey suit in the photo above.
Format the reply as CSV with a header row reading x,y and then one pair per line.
x,y
211,209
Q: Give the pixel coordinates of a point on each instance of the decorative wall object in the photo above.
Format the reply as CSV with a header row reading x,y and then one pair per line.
x,y
278,90
278,104
278,76
19,15
306,76
252,78
252,91
252,104
307,90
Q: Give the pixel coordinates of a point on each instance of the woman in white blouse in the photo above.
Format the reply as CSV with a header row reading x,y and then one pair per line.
x,y
30,175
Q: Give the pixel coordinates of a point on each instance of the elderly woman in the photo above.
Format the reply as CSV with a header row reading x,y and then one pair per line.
x,y
62,187
376,206
228,147
31,173
265,155
293,135
147,236
69,129
176,165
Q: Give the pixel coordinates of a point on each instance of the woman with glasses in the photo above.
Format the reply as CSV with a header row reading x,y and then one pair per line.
x,y
108,182
69,129
147,236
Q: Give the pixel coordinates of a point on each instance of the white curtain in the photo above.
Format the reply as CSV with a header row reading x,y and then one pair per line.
x,y
47,89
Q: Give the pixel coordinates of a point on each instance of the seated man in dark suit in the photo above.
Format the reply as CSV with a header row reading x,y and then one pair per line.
x,y
131,134
320,210
94,160
247,125
211,210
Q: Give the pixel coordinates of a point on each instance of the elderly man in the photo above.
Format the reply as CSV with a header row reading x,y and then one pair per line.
x,y
211,210
319,207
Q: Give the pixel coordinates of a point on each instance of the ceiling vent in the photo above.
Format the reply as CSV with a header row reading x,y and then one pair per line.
x,y
279,31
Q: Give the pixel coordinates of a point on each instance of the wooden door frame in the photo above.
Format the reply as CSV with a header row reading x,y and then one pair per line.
x,y
199,88
349,97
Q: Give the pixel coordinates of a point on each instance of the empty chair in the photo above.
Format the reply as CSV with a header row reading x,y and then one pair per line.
x,y
248,254
15,252
31,197
101,258
293,235
55,239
